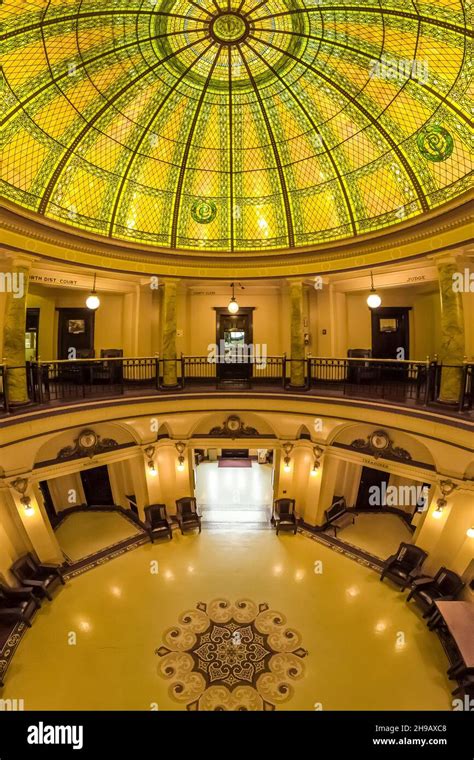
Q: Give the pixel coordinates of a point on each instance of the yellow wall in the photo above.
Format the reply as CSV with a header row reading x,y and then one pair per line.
x,y
196,317
108,318
424,320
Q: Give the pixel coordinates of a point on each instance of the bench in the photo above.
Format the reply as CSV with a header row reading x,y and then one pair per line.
x,y
338,517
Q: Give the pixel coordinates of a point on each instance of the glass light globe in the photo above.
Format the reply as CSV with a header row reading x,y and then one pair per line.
x,y
93,301
470,532
374,301
233,306
437,513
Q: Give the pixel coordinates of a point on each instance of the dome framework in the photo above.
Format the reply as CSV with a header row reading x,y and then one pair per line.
x,y
235,125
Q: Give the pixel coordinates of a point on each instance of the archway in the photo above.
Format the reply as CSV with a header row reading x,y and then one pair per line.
x,y
234,471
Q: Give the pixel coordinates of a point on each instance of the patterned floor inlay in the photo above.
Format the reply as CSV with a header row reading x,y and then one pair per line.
x,y
231,656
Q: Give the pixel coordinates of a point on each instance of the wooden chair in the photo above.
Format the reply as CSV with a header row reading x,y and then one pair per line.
x,y
284,515
43,578
403,567
445,586
157,521
187,514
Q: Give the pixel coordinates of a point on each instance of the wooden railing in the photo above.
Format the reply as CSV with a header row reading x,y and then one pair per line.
x,y
404,382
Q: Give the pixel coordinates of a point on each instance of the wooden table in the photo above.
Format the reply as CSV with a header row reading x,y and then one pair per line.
x,y
458,617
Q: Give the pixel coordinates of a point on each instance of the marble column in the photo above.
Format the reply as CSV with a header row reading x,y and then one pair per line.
x,y
16,281
452,332
297,373
168,331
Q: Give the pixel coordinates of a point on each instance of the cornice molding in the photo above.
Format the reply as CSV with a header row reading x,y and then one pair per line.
x,y
446,229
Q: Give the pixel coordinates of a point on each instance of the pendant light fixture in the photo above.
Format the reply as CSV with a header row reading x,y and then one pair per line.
x,y
93,300
373,300
233,306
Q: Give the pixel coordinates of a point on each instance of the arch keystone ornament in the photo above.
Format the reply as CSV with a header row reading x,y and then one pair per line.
x,y
231,656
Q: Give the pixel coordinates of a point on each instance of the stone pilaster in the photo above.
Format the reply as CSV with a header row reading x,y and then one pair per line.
x,y
452,332
168,331
297,339
16,282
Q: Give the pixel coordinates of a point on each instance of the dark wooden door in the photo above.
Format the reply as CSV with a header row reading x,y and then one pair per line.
x,y
96,485
370,477
48,501
75,330
234,336
390,333
235,453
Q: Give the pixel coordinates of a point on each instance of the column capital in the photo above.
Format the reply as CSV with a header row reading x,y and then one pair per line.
x,y
18,259
446,257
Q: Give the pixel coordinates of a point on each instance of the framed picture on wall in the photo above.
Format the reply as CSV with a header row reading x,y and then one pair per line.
x,y
76,326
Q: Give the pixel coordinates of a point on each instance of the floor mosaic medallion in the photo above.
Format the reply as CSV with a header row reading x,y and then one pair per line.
x,y
231,656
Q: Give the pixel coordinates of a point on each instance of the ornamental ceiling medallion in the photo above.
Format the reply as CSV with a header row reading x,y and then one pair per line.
x,y
231,656
225,125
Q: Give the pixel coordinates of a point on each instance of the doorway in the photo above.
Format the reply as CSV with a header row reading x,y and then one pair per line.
x,y
370,478
96,485
48,501
234,338
32,335
76,331
390,333
234,491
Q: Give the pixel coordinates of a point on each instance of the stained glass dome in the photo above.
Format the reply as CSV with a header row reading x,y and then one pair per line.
x,y
235,125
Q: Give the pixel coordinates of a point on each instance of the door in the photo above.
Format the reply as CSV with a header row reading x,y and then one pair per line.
x,y
96,485
75,330
390,333
369,478
32,335
234,340
235,453
48,501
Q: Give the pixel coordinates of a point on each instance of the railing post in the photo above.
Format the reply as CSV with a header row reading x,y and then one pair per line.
x,y
427,381
6,404
283,371
157,372
182,370
308,372
462,394
122,375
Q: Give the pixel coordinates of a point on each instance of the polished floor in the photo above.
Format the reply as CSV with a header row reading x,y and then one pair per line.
x,y
378,534
160,627
233,494
82,534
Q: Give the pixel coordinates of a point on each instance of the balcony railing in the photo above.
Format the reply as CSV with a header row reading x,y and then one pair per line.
x,y
396,381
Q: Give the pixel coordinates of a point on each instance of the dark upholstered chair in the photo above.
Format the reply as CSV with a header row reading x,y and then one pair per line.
x,y
284,515
187,513
402,567
43,578
17,604
445,586
157,521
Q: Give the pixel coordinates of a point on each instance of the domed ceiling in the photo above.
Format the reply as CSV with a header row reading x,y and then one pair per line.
x,y
244,125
